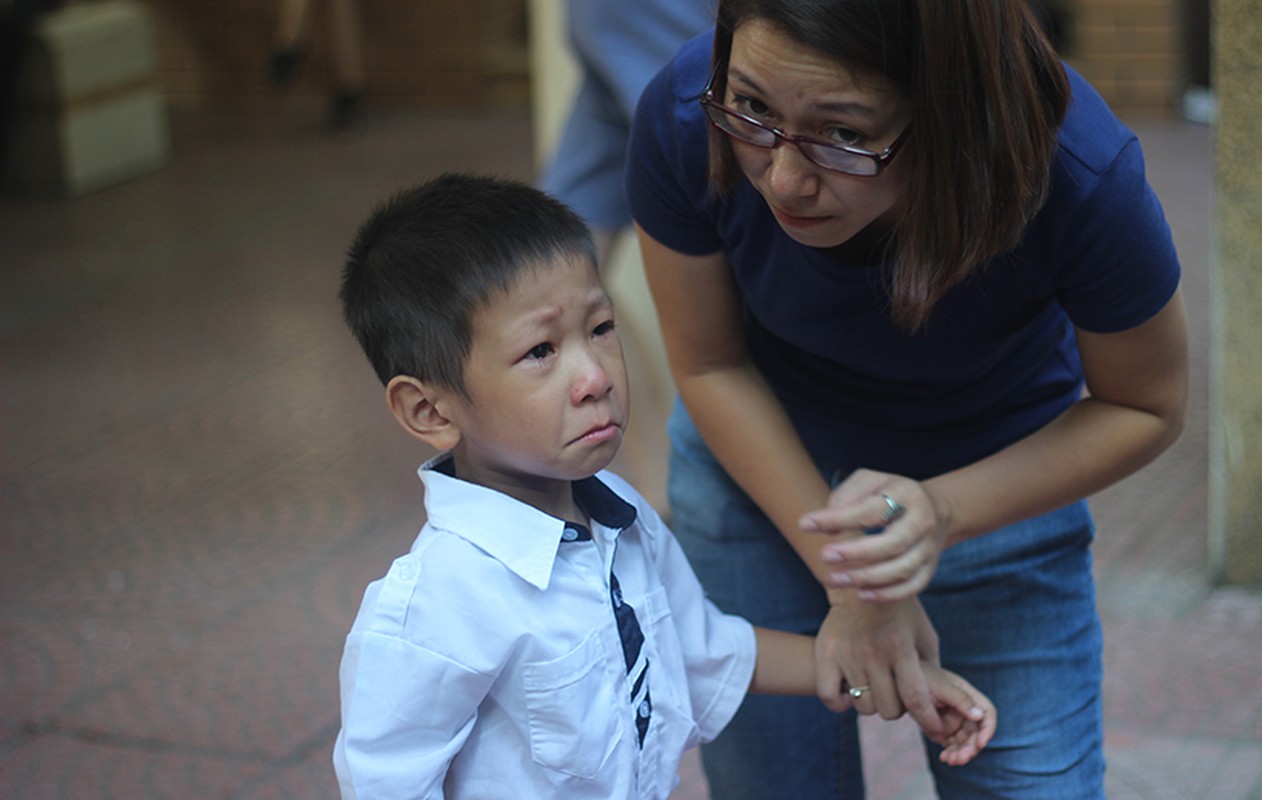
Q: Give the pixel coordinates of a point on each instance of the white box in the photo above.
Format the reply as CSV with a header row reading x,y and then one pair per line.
x,y
89,110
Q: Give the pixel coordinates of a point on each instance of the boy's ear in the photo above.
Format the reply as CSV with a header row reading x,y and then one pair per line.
x,y
413,404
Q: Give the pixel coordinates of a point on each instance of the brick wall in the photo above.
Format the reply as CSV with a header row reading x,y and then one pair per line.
x,y
1131,51
472,53
455,53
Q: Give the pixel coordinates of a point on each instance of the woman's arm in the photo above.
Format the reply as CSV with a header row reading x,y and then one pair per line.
x,y
732,406
1137,382
749,433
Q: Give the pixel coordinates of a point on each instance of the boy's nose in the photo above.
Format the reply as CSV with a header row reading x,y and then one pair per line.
x,y
591,381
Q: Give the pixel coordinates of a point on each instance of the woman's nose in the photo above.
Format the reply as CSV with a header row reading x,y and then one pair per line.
x,y
791,174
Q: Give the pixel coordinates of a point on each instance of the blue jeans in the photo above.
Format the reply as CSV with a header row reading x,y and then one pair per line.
x,y
1015,613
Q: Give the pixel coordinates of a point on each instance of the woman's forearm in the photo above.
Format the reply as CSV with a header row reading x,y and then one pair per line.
x,y
1088,448
1138,383
747,430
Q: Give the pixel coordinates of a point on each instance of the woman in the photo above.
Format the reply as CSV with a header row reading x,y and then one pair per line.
x,y
898,243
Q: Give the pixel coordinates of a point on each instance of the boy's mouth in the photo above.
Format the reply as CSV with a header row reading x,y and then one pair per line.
x,y
600,433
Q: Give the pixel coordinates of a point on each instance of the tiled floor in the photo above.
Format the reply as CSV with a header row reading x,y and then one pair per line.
x,y
198,476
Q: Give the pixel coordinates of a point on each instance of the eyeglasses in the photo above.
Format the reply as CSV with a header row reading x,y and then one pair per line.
x,y
835,157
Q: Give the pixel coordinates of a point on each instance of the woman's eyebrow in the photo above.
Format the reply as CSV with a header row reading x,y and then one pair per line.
x,y
856,109
837,107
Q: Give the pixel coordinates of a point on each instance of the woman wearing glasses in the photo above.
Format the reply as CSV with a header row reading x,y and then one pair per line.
x,y
912,283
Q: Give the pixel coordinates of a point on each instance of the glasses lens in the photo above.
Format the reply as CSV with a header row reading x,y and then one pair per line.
x,y
831,158
741,128
839,160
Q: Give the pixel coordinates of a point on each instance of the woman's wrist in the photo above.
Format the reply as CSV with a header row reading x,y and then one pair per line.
x,y
945,511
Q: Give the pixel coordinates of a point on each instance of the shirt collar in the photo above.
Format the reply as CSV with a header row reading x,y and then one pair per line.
x,y
518,535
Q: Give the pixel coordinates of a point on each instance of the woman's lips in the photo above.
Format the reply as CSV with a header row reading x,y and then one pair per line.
x,y
790,220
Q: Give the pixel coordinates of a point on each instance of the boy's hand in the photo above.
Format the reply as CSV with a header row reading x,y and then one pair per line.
x,y
969,718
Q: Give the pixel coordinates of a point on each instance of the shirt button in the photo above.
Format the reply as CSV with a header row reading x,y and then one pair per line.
x,y
569,534
617,598
644,709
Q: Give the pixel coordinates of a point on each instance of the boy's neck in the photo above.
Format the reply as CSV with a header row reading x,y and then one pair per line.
x,y
550,495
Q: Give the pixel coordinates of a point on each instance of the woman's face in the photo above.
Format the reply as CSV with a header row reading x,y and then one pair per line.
x,y
777,81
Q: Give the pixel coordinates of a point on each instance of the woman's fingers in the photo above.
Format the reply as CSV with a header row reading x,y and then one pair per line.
x,y
831,683
871,512
896,579
884,698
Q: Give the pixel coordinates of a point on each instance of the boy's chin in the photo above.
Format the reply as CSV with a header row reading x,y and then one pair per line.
x,y
594,463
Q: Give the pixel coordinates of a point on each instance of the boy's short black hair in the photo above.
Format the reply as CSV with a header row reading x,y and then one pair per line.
x,y
427,259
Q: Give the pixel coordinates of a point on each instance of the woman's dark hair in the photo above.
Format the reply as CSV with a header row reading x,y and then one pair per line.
x,y
988,94
425,261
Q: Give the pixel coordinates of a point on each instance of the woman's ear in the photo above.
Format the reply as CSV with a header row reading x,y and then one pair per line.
x,y
413,404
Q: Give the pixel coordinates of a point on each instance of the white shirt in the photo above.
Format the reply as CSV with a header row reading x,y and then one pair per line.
x,y
487,664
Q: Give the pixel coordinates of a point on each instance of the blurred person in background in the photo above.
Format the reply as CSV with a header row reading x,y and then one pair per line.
x,y
346,40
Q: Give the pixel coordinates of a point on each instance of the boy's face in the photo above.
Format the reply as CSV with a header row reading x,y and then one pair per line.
x,y
546,381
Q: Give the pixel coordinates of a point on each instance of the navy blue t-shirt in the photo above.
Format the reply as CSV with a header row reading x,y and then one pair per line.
x,y
997,360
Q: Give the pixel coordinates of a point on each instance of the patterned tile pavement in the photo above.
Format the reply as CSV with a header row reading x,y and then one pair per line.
x,y
198,476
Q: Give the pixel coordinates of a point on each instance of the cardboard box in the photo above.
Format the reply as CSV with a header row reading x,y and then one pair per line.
x,y
89,111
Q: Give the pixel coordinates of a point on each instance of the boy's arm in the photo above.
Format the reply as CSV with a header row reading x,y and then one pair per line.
x,y
785,663
968,716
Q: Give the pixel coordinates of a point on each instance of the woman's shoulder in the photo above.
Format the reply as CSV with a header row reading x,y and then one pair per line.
x,y
667,155
1091,138
685,75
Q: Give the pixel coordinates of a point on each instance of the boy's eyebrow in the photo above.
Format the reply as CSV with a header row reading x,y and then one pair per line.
x,y
545,315
598,299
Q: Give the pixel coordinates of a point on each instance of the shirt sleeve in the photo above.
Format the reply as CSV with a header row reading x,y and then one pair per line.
x,y
406,710
719,649
1120,266
667,156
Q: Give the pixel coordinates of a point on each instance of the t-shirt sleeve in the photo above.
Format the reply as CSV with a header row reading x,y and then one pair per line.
x,y
1120,266
667,156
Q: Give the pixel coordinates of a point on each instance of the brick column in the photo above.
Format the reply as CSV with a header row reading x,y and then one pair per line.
x,y
1235,525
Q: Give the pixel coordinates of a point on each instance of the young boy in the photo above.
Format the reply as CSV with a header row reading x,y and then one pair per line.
x,y
545,637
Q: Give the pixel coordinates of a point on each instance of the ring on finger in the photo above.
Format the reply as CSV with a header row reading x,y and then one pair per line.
x,y
858,691
893,509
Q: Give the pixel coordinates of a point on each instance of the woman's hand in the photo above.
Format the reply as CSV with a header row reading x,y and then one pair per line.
x,y
910,530
878,652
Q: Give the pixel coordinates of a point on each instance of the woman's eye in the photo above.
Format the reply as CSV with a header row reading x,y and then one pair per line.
x,y
839,134
750,106
604,328
540,351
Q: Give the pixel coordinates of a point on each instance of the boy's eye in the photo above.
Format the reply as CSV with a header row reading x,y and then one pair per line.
x,y
540,351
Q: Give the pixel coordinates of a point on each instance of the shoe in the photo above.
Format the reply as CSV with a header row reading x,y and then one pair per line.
x,y
345,110
282,67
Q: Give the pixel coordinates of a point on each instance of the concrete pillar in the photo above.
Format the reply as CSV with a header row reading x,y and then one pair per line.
x,y
1235,524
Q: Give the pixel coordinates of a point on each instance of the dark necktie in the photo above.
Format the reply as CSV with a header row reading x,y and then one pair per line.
x,y
631,636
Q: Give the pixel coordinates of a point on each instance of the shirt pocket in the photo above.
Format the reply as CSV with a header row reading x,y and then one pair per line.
x,y
570,705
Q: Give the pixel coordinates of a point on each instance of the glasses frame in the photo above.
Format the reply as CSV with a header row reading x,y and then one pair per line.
x,y
880,160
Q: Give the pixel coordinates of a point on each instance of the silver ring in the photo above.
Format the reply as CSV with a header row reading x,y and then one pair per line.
x,y
893,509
857,691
